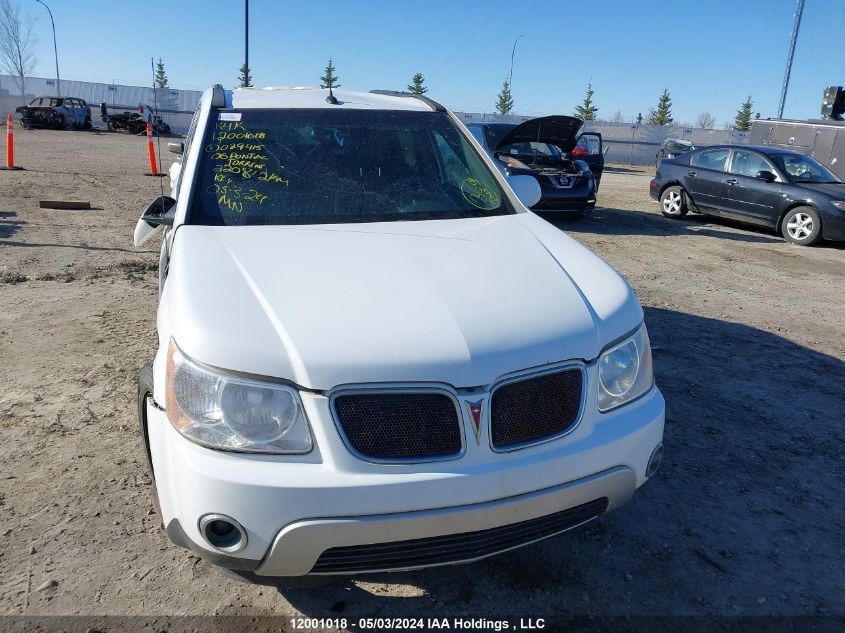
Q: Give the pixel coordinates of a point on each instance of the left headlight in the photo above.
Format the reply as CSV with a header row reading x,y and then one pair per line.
x,y
233,413
625,371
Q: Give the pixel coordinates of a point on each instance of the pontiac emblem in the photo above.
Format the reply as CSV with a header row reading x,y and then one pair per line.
x,y
474,409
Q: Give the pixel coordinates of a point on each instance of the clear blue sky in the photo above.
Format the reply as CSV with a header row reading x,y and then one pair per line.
x,y
709,53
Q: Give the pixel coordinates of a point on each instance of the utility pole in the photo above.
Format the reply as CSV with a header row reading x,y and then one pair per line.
x,y
246,38
792,43
55,48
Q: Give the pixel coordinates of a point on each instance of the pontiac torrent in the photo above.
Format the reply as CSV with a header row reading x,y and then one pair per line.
x,y
372,356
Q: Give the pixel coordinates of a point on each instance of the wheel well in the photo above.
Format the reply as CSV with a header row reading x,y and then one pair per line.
x,y
779,224
674,183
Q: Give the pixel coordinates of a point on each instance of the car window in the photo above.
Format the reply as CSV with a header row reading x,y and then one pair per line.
x,y
745,163
589,143
675,146
333,166
532,149
711,159
477,133
800,168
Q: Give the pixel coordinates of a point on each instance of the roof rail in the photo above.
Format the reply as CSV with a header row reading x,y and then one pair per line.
x,y
398,93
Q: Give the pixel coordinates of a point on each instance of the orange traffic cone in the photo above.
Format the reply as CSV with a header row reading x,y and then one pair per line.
x,y
152,152
10,145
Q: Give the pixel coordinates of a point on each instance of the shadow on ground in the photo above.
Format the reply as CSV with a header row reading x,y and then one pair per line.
x,y
612,221
9,227
742,517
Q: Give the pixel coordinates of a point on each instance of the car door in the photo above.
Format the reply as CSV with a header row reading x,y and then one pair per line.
x,y
705,178
77,112
591,141
747,197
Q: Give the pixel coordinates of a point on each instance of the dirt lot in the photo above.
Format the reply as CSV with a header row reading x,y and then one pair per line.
x,y
745,516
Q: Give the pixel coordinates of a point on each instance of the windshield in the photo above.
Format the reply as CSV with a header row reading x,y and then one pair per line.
x,y
800,168
678,146
531,150
333,166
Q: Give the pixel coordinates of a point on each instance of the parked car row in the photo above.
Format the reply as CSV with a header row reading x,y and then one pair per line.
x,y
763,185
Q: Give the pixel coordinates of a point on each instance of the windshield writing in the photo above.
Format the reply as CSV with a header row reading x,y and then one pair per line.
x,y
323,166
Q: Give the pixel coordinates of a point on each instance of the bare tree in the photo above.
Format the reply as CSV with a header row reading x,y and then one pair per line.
x,y
705,121
17,44
618,117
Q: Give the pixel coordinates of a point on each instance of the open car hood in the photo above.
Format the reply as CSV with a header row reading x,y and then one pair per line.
x,y
558,129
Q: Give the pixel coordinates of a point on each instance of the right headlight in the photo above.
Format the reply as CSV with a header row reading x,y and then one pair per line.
x,y
625,371
231,413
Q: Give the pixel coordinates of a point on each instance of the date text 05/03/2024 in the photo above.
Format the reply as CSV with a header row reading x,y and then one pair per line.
x,y
425,624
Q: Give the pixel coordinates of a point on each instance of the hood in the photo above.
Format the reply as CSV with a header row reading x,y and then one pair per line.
x,y
558,129
835,190
461,302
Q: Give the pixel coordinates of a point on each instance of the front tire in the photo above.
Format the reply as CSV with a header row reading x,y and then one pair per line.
x,y
145,392
673,203
802,226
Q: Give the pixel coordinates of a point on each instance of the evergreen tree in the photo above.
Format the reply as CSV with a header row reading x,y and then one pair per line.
x,y
329,80
245,77
161,96
161,76
587,111
417,85
742,123
504,104
663,114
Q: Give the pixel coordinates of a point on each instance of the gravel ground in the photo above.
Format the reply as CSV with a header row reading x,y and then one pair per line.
x,y
742,519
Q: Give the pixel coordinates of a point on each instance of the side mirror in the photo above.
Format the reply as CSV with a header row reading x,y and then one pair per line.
x,y
176,148
766,175
526,188
158,214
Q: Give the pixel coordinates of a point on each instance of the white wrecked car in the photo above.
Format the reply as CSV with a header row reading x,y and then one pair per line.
x,y
372,356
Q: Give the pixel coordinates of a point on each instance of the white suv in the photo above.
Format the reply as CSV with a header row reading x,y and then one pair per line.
x,y
372,356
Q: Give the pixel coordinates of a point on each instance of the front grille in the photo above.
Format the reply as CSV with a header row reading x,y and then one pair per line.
x,y
536,408
453,548
400,426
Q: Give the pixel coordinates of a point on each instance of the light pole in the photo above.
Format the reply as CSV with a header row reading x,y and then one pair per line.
x,y
510,74
55,49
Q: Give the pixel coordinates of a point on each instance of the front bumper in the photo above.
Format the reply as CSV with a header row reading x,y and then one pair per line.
x,y
39,118
833,224
294,508
576,198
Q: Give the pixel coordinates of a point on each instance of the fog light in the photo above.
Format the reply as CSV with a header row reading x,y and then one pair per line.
x,y
222,533
654,460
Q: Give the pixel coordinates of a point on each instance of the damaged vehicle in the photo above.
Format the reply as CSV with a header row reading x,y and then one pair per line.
x,y
567,165
133,122
371,356
59,113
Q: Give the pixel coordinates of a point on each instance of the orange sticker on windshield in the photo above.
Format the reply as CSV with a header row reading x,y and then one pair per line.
x,y
480,195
